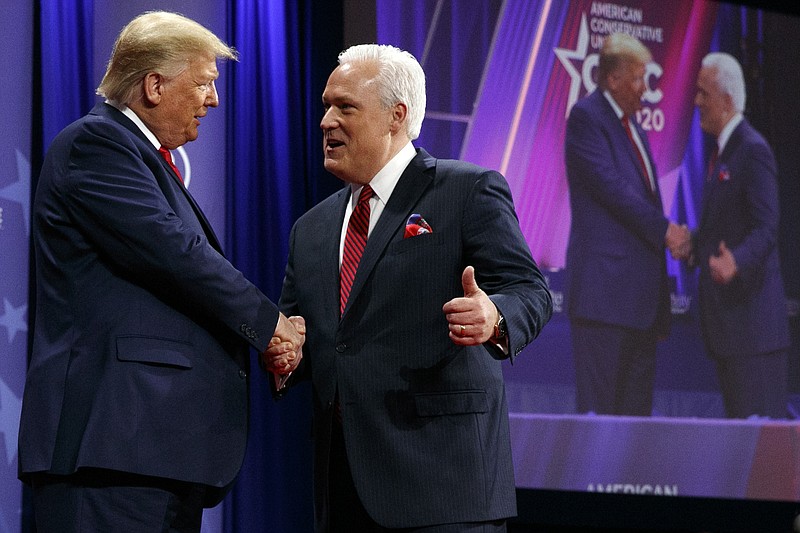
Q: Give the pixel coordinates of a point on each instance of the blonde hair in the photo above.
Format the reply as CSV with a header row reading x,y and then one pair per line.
x,y
156,41
620,49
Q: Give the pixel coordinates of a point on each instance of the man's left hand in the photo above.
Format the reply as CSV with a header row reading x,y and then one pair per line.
x,y
722,266
471,318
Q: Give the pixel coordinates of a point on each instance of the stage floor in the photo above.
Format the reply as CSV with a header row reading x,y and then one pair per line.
x,y
705,457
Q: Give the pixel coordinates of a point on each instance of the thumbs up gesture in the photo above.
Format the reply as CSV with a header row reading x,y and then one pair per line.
x,y
471,318
723,266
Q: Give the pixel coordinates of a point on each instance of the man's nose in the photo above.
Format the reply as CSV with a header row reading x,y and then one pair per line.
x,y
328,119
213,98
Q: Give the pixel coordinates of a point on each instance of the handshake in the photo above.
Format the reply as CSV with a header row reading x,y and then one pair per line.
x,y
285,349
722,266
679,241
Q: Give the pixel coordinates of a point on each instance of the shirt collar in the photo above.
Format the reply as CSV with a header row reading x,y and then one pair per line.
x,y
128,112
386,179
614,105
726,132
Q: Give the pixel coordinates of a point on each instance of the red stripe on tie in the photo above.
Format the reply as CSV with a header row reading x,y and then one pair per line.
x,y
354,242
645,174
168,158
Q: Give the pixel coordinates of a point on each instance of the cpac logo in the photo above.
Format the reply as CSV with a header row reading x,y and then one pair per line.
x,y
579,66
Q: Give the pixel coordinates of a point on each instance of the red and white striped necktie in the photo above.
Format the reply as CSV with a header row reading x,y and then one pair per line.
x,y
354,242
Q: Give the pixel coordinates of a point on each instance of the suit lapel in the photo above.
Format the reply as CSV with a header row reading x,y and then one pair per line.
x,y
212,237
623,140
649,156
631,149
712,182
406,194
116,115
619,132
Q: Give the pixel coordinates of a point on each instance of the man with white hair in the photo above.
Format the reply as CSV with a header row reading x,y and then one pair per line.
x,y
415,282
742,303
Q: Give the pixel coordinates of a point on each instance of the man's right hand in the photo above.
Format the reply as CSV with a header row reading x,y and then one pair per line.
x,y
679,241
285,349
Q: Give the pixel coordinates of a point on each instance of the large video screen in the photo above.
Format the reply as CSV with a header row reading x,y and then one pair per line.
x,y
502,77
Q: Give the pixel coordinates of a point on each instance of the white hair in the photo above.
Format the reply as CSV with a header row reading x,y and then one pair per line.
x,y
729,77
400,79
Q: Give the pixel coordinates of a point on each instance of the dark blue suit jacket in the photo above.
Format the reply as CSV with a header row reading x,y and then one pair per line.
x,y
425,421
616,263
140,348
740,207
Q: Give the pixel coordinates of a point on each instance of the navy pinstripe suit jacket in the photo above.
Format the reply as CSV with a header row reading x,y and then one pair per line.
x,y
425,421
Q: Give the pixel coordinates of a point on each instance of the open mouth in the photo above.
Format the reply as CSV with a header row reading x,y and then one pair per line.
x,y
333,143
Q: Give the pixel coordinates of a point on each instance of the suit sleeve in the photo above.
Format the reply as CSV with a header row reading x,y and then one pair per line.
x,y
761,197
504,267
115,199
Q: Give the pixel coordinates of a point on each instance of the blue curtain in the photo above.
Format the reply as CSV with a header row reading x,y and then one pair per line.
x,y
275,174
67,87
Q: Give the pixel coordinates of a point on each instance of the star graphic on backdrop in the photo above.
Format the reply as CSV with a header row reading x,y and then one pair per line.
x,y
20,190
579,54
13,319
10,408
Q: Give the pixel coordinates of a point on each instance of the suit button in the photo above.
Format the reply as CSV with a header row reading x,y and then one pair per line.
x,y
242,374
341,347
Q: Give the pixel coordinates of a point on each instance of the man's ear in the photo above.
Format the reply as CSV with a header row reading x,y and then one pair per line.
x,y
399,117
729,107
612,81
153,87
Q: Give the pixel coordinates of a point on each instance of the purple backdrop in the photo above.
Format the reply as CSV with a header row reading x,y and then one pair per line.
x,y
15,40
500,85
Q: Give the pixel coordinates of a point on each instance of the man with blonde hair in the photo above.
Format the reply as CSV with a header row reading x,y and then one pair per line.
x,y
618,296
134,414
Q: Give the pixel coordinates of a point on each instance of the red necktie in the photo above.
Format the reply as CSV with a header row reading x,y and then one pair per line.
x,y
712,162
626,124
168,158
354,242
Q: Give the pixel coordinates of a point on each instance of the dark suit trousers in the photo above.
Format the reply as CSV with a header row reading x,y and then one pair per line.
x,y
754,385
615,368
348,514
104,500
